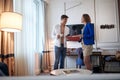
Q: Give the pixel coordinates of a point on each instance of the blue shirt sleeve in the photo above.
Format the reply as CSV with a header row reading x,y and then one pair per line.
x,y
90,28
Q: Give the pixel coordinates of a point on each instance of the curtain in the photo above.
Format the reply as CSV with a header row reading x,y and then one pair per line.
x,y
25,41
32,39
28,37
42,41
46,63
119,11
7,40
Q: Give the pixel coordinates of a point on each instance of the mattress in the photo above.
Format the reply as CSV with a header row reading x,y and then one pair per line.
x,y
64,77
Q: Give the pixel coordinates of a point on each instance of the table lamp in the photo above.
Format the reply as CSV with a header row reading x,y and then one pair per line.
x,y
10,22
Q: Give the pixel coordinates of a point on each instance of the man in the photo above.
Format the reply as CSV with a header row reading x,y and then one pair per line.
x,y
60,32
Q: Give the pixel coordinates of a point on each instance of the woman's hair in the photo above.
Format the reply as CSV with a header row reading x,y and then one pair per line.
x,y
87,18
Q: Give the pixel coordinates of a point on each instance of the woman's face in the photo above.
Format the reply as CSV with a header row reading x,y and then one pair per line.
x,y
82,20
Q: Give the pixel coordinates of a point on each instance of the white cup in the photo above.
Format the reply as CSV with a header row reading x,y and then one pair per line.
x,y
61,35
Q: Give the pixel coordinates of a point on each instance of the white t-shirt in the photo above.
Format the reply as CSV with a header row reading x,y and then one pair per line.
x,y
55,32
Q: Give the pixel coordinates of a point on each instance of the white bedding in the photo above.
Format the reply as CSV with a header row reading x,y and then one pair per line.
x,y
71,77
68,72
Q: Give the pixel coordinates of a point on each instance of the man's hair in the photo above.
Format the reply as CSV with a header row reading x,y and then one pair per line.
x,y
87,18
64,16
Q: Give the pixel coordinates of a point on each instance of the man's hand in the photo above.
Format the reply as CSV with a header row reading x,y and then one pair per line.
x,y
58,36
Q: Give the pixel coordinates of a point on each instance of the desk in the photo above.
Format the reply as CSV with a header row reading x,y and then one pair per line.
x,y
95,56
111,66
97,59
70,61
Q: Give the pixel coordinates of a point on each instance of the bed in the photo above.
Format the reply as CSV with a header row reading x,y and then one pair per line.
x,y
71,77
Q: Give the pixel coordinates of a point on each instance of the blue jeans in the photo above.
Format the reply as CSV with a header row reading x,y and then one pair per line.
x,y
60,53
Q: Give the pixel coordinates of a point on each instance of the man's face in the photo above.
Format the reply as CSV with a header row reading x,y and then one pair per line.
x,y
64,21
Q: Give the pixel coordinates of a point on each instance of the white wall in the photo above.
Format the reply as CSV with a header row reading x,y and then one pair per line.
x,y
86,6
56,9
106,13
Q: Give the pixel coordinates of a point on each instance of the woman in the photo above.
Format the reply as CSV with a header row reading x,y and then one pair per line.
x,y
87,39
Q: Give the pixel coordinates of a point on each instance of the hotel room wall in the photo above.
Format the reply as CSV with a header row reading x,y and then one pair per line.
x,y
107,13
56,9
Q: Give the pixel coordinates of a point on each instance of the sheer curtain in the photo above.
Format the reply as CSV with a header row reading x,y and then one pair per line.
x,y
46,63
42,34
25,41
33,37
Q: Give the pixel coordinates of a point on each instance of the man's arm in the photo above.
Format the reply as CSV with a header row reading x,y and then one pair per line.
x,y
54,34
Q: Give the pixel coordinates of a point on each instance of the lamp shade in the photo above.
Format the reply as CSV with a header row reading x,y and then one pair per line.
x,y
11,22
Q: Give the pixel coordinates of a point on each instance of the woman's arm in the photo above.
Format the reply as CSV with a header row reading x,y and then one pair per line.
x,y
91,31
80,35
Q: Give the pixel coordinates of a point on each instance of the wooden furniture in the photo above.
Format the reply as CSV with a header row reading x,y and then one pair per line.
x,y
98,59
106,66
113,60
